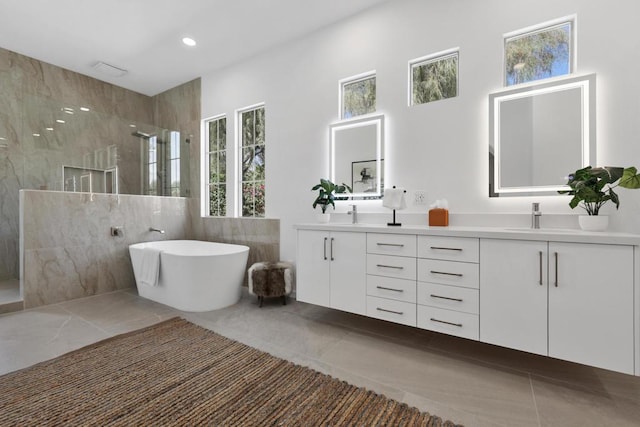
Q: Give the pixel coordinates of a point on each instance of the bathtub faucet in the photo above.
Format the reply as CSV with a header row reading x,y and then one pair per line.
x,y
156,229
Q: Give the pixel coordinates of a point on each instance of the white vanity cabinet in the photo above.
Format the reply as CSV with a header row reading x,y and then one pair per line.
x,y
331,269
573,301
391,277
571,295
448,283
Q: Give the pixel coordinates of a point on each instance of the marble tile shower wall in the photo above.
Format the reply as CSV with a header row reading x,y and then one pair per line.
x,y
261,235
31,92
68,251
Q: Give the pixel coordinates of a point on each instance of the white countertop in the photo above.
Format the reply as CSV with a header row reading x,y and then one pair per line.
x,y
512,233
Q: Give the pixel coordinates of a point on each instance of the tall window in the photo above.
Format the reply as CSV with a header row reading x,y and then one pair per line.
x,y
216,153
546,50
358,95
252,149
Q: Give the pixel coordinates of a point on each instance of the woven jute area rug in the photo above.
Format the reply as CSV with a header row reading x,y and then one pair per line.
x,y
177,373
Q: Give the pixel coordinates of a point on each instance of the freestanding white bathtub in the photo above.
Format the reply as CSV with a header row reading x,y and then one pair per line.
x,y
194,275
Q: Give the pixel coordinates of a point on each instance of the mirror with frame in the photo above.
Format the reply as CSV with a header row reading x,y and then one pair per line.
x,y
357,156
539,133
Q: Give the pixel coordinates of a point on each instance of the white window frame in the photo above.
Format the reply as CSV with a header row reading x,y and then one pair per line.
x,y
237,194
204,167
443,54
539,28
354,79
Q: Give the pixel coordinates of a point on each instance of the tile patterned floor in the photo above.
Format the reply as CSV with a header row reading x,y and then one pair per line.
x,y
465,381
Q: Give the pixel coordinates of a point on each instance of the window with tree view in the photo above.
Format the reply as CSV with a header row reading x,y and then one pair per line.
x,y
358,96
539,54
217,164
252,129
434,77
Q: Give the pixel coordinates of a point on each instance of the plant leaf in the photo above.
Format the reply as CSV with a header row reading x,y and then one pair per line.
x,y
630,178
614,198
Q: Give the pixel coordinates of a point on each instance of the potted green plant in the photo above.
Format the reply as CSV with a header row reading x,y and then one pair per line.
x,y
327,191
592,187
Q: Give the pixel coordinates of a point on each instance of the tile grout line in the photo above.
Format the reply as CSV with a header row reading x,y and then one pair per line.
x,y
535,403
72,314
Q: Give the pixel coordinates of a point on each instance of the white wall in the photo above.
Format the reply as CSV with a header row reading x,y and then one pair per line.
x,y
439,147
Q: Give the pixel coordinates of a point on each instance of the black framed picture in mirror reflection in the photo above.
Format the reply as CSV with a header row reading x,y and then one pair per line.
x,y
364,176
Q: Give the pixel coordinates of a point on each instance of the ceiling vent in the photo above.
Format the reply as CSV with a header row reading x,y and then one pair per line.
x,y
109,70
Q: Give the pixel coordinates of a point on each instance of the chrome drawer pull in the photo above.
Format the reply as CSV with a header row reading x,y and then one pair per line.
x,y
438,248
540,254
446,274
389,266
389,311
390,244
459,325
450,299
390,289
556,256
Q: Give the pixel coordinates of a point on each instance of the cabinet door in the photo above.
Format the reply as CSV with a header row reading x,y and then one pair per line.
x,y
591,304
513,294
348,254
313,266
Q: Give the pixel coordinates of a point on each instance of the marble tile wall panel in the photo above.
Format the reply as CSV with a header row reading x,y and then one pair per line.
x,y
31,94
67,247
261,235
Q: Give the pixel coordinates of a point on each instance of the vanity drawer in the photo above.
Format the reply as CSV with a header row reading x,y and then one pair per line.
x,y
464,249
391,244
449,297
449,273
450,322
391,310
391,288
391,266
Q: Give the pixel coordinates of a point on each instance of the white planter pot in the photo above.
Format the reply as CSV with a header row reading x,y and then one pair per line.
x,y
323,217
593,222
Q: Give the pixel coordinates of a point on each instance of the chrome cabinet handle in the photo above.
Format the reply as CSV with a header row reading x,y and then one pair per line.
x,y
389,311
446,274
451,299
556,256
390,244
332,258
540,282
390,266
438,248
390,289
325,248
459,325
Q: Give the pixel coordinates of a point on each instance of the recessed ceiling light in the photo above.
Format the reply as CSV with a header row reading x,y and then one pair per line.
x,y
60,121
132,126
188,41
36,134
2,138
84,109
49,128
68,111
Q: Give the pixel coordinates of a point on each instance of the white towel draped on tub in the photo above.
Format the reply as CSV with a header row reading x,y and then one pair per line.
x,y
150,268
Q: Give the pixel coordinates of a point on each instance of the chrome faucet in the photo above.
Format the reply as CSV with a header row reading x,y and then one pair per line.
x,y
156,230
535,215
354,213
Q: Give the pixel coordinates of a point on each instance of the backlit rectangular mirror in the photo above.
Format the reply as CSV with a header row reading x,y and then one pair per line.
x,y
540,133
357,158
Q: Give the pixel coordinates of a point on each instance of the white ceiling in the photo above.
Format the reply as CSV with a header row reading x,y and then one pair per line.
x,y
144,36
